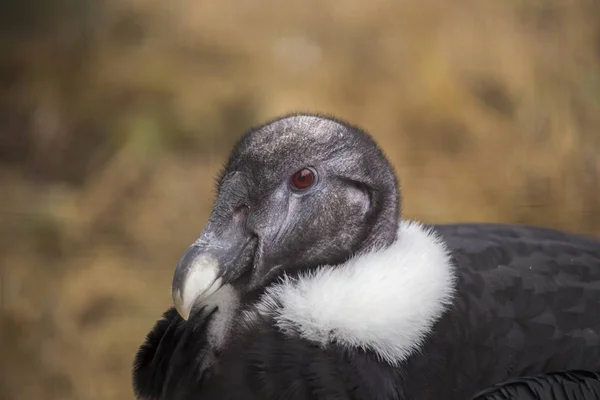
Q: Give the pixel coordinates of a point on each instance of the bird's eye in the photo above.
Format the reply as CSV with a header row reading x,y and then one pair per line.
x,y
303,179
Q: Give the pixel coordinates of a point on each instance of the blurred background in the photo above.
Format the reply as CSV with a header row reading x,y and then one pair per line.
x,y
115,116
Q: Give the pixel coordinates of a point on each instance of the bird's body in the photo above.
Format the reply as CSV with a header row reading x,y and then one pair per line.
x,y
527,303
423,312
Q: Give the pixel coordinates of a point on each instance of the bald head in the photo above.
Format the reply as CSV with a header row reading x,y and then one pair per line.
x,y
297,192
289,143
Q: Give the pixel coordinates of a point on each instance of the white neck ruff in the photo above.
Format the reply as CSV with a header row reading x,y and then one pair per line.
x,y
385,301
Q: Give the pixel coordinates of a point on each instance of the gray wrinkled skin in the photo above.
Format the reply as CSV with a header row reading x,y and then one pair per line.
x,y
353,205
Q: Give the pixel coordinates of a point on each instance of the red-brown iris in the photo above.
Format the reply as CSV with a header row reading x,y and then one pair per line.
x,y
303,179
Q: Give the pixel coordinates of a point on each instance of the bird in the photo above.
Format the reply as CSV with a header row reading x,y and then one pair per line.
x,y
308,283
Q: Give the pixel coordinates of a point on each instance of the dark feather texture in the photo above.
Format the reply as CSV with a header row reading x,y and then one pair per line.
x,y
566,385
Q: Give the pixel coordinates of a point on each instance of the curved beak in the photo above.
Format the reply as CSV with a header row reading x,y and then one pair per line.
x,y
197,276
218,257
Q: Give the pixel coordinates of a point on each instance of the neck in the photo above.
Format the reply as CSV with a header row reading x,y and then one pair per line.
x,y
385,301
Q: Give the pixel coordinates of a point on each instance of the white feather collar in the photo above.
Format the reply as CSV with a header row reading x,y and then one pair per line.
x,y
385,301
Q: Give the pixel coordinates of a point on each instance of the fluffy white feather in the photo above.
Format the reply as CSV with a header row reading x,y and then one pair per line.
x,y
385,301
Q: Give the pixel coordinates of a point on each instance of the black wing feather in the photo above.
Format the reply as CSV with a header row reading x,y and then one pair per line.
x,y
564,385
174,359
263,364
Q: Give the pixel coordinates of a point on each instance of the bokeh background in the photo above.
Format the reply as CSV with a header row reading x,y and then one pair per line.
x,y
115,116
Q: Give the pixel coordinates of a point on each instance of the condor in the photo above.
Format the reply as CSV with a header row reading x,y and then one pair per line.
x,y
306,283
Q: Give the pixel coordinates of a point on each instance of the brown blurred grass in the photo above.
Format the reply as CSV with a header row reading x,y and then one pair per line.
x,y
115,116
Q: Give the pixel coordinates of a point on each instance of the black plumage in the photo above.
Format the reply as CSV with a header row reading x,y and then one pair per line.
x,y
528,302
564,385
525,304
